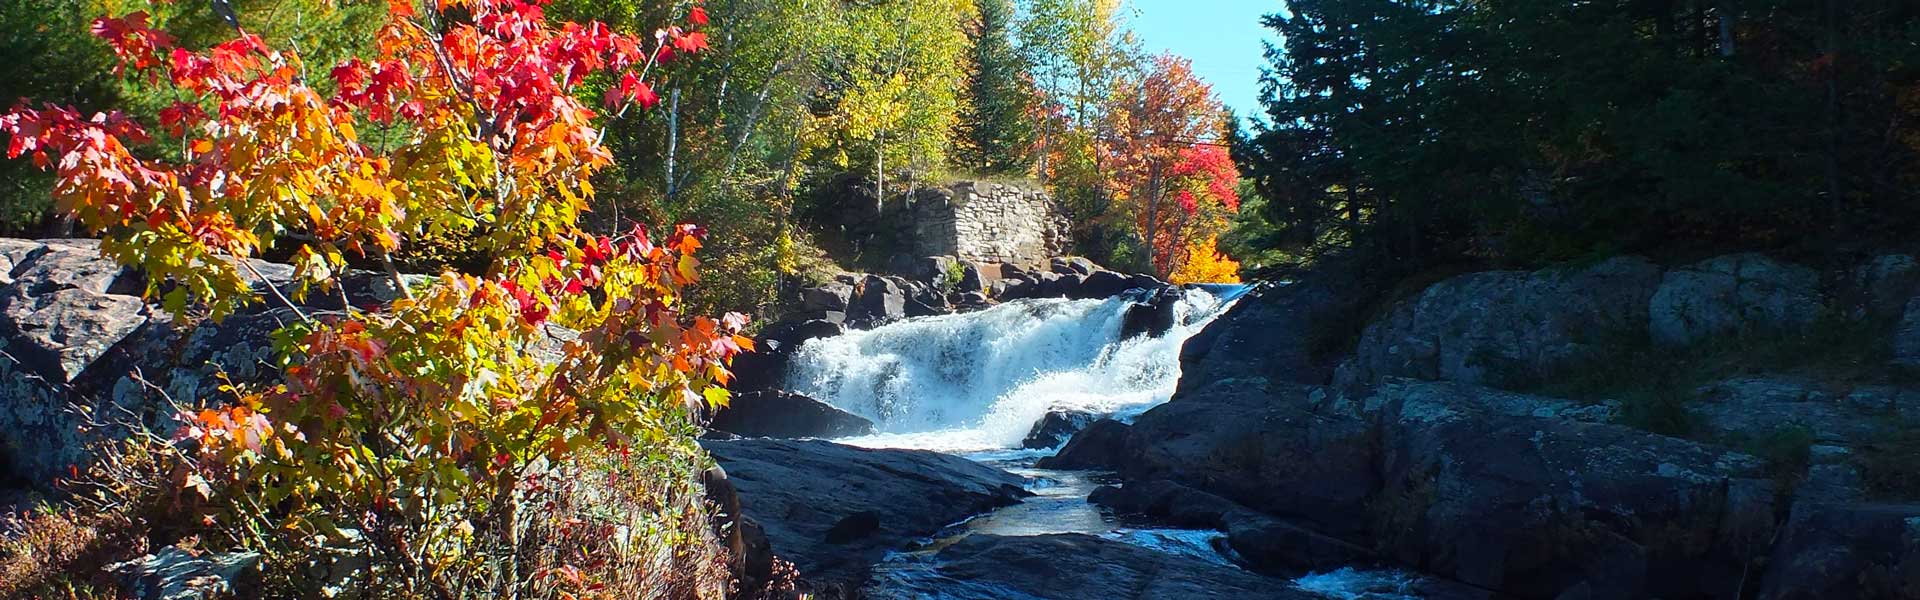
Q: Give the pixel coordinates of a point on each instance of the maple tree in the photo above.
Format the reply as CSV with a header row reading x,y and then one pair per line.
x,y
1203,262
1169,173
421,422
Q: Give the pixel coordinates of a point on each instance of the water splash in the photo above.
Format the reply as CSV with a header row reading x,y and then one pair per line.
x,y
979,381
1348,583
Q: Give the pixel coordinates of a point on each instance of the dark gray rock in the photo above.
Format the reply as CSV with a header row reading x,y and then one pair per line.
x,y
1056,427
1507,328
1103,284
1068,566
1101,445
1285,449
69,264
1082,266
175,574
971,278
766,366
1016,288
778,414
1054,285
1746,409
1490,493
1295,332
881,300
58,333
1881,288
1847,552
1060,266
1733,294
833,296
834,511
1906,337
1152,317
1264,543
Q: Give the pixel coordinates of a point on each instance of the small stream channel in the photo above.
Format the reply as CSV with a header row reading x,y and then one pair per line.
x,y
974,384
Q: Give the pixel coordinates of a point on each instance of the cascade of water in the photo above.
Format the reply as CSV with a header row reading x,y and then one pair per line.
x,y
979,381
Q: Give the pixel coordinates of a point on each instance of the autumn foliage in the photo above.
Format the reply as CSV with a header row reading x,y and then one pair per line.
x,y
425,424
1204,263
1171,172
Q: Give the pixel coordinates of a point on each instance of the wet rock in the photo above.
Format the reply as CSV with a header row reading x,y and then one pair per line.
x,y
1506,328
175,574
1488,493
1265,544
1733,294
766,366
1056,427
1100,446
834,511
1847,552
1068,566
1153,317
778,414
833,296
1103,284
1054,285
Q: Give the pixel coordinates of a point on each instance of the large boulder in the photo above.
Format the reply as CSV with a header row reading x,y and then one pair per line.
x,y
778,414
1056,427
1522,496
1733,294
1101,445
1103,284
1507,328
1068,566
1153,316
881,299
1295,332
1847,552
834,510
766,366
1285,449
832,296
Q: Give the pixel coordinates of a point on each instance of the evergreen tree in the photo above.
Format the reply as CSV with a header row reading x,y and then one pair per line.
x,y
996,128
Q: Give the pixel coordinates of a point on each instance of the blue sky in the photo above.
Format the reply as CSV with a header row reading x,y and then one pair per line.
x,y
1221,36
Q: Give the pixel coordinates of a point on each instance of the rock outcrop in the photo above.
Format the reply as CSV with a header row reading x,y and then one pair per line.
x,y
1733,294
834,511
1504,328
779,414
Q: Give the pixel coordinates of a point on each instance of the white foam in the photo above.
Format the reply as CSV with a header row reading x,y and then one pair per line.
x,y
979,381
1348,583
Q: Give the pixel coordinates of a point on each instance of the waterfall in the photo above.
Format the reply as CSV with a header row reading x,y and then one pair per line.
x,y
980,380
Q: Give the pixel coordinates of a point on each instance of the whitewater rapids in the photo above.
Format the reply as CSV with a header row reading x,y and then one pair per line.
x,y
974,382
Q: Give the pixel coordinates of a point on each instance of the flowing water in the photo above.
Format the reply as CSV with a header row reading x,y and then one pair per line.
x,y
974,385
979,381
